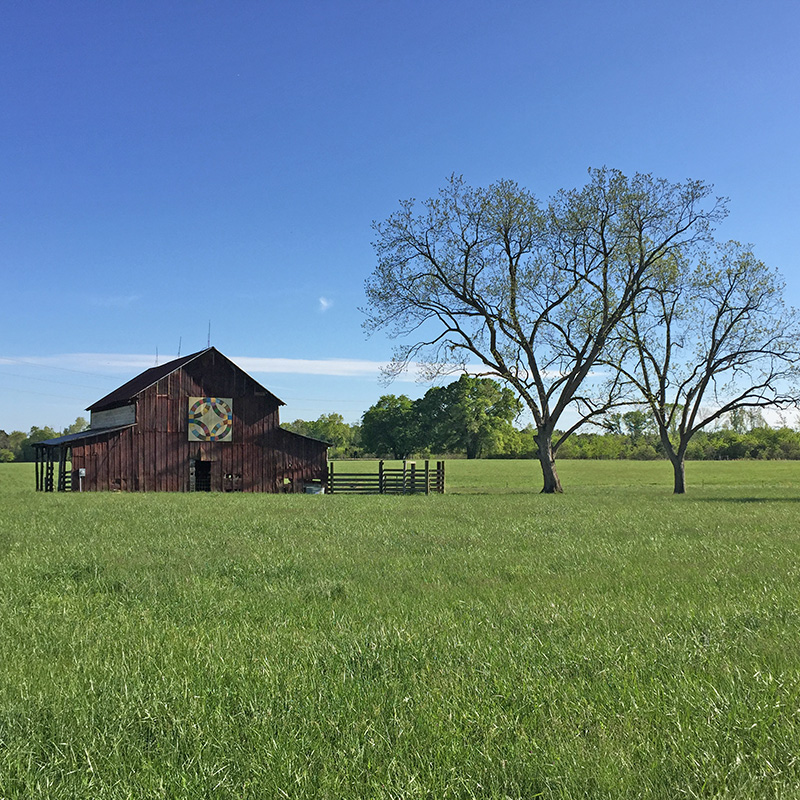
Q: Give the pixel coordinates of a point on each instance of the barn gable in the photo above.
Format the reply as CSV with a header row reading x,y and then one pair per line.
x,y
207,368
198,423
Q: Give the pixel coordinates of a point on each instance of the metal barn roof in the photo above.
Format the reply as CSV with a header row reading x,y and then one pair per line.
x,y
70,438
128,391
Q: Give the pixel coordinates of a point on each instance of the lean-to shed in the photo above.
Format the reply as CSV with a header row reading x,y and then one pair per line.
x,y
198,423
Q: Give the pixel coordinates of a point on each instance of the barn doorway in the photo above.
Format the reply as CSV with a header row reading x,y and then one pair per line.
x,y
202,476
199,475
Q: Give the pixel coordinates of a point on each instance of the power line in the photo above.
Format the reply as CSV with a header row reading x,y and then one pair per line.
x,y
51,366
47,394
45,380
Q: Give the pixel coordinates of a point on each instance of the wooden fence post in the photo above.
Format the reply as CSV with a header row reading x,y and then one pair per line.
x,y
381,478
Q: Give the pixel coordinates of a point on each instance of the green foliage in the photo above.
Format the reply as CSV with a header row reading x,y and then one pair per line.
x,y
13,443
722,445
758,443
20,444
27,451
80,425
627,436
471,415
344,439
391,427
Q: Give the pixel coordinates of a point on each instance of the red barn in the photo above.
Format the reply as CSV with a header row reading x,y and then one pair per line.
x,y
198,423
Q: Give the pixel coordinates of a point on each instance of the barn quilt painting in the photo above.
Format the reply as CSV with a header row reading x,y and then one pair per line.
x,y
210,419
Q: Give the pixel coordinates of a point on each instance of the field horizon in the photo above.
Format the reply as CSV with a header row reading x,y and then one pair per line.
x,y
493,476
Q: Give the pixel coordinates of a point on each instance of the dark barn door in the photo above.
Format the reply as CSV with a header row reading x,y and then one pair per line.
x,y
199,476
202,476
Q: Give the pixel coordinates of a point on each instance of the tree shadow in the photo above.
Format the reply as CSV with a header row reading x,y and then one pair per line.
x,y
748,499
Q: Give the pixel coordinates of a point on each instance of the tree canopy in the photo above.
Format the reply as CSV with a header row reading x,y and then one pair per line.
x,y
391,426
710,339
530,292
344,439
18,446
470,415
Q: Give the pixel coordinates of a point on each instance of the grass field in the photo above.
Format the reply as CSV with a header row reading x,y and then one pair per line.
x,y
613,642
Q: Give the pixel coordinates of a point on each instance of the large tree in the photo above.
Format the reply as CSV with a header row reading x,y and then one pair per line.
x,y
530,291
391,426
709,339
471,415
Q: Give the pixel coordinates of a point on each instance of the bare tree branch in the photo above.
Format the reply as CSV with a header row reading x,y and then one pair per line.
x,y
533,292
708,340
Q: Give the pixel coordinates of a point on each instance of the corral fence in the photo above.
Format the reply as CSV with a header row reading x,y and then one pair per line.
x,y
408,479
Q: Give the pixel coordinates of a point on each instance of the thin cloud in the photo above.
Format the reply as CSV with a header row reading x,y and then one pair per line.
x,y
340,367
88,363
324,304
131,364
116,363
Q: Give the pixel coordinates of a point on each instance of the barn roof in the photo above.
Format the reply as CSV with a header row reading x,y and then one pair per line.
x,y
70,438
128,391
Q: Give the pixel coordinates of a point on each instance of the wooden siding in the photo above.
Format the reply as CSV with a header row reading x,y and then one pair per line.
x,y
156,454
113,417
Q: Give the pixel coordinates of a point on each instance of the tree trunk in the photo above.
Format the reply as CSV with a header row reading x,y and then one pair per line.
x,y
677,458
552,483
679,468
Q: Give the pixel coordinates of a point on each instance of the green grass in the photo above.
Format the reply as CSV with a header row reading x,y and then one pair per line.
x,y
613,642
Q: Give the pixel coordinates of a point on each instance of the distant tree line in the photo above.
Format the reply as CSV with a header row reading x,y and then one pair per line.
x,y
474,417
634,435
18,446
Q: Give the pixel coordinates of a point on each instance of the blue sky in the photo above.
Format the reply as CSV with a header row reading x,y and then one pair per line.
x,y
166,165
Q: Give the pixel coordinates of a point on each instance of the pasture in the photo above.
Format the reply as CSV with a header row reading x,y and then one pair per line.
x,y
492,642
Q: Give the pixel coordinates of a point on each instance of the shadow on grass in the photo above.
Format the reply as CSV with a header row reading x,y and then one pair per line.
x,y
748,499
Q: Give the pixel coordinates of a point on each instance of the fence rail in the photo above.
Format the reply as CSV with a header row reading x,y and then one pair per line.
x,y
408,479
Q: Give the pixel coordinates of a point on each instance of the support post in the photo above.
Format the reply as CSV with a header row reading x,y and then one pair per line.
x,y
62,469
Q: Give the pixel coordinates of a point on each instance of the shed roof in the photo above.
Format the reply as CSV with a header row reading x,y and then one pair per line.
x,y
71,438
128,391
